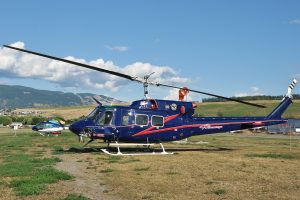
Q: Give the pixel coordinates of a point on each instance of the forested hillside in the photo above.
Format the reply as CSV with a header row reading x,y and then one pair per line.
x,y
25,97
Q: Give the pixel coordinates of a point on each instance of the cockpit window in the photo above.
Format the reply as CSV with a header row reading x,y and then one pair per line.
x,y
106,119
40,126
94,114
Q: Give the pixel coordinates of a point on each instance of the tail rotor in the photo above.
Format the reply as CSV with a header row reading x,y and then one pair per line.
x,y
291,87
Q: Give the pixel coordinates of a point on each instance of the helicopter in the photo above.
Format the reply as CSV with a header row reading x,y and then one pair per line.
x,y
151,121
49,127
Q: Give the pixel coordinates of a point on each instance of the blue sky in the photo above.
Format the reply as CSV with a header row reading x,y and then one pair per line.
x,y
224,47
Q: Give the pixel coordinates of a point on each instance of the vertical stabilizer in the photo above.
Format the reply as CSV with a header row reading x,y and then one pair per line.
x,y
286,101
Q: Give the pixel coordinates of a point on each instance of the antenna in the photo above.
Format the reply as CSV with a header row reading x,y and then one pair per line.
x,y
146,84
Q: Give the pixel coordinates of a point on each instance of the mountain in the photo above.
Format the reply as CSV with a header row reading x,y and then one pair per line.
x,y
25,97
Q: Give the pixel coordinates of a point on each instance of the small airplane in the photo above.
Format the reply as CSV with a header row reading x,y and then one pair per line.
x,y
149,121
53,127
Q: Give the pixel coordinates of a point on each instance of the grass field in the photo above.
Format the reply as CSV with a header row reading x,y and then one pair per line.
x,y
228,166
71,112
236,109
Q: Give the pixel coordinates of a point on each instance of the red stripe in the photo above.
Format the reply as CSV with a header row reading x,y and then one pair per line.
x,y
169,118
151,131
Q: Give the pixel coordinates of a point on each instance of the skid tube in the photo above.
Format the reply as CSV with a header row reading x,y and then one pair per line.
x,y
119,153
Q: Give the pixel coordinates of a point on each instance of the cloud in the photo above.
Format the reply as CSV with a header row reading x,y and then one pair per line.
x,y
3,82
17,64
117,48
242,94
173,95
294,21
162,74
254,91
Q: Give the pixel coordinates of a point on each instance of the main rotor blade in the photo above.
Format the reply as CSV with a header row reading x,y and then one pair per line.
x,y
214,95
131,78
75,63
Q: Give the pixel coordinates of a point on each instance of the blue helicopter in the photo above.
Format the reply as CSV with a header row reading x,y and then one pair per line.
x,y
49,127
150,121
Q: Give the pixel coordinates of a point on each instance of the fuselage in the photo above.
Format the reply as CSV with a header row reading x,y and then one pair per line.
x,y
148,121
51,126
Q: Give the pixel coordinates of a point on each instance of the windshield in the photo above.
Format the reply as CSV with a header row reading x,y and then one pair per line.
x,y
95,114
44,125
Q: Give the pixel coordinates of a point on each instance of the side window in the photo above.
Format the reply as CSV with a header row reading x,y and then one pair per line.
x,y
141,120
125,120
106,118
157,120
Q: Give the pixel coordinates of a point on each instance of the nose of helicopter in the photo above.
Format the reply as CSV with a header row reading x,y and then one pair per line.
x,y
74,128
34,128
78,127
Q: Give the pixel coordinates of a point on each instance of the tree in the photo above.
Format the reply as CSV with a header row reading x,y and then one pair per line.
x,y
38,119
5,120
28,120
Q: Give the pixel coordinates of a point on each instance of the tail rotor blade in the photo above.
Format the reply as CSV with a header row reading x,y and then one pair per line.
x,y
291,87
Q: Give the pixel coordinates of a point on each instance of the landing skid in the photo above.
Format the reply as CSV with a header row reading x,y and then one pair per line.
x,y
119,153
42,134
91,140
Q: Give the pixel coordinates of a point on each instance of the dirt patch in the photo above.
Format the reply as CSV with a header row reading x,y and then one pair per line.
x,y
87,182
7,193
